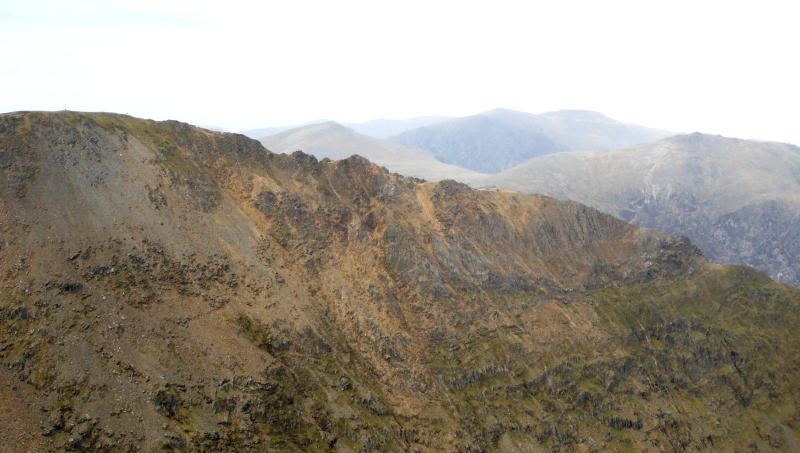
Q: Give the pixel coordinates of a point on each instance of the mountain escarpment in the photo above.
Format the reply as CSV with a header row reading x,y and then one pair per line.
x,y
168,288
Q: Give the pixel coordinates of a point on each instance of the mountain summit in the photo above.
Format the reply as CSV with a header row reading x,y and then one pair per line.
x,y
169,288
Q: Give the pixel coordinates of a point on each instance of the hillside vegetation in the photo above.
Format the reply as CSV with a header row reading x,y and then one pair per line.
x,y
168,288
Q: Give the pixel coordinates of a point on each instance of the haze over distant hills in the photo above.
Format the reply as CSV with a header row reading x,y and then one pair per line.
x,y
334,141
384,128
213,128
493,141
499,139
379,128
738,200
265,131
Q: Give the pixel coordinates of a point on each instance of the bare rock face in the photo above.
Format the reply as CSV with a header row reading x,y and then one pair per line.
x,y
765,235
169,288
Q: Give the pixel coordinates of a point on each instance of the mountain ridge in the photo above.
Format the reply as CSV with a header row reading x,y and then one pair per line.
x,y
335,141
385,127
378,128
175,289
719,191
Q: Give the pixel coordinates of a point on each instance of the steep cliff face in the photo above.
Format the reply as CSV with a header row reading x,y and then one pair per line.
x,y
765,235
167,288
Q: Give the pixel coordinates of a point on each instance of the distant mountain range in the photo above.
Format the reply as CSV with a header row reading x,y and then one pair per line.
x,y
266,131
334,141
499,139
214,128
384,128
738,200
379,128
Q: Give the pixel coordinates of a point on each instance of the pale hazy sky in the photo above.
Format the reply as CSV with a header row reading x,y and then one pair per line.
x,y
727,68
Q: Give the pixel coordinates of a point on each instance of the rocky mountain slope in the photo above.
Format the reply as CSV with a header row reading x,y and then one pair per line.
x,y
499,139
168,288
738,200
334,141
